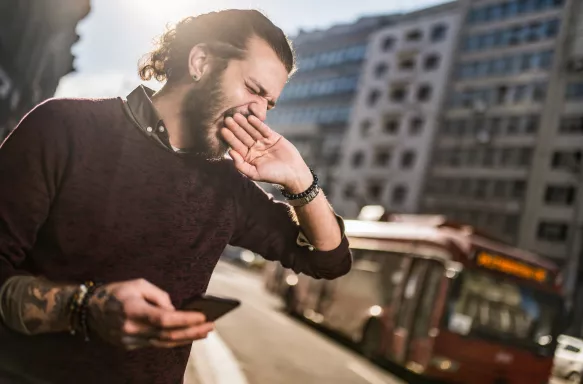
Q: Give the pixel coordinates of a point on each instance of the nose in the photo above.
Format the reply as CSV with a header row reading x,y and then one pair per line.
x,y
259,109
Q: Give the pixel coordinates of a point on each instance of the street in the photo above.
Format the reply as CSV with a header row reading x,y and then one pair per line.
x,y
272,348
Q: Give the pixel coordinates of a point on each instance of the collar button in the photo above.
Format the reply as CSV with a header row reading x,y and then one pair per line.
x,y
149,129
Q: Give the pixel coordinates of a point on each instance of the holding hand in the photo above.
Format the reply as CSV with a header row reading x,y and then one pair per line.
x,y
136,314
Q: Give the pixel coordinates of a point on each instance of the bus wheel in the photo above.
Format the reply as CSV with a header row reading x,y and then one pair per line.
x,y
574,377
290,302
371,340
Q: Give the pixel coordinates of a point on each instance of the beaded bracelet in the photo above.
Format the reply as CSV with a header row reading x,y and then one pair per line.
x,y
91,287
310,190
78,308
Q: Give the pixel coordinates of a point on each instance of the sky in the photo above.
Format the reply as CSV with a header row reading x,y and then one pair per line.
x,y
118,32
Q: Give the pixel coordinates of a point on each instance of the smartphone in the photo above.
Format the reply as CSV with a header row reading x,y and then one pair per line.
x,y
213,307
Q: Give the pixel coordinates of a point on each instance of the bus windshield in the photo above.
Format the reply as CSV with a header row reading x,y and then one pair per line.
x,y
487,306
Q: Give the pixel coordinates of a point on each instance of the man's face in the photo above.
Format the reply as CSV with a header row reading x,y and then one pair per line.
x,y
249,86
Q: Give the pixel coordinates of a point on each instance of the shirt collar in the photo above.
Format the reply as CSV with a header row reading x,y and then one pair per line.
x,y
139,106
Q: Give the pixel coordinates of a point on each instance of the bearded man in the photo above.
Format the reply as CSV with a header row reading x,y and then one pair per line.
x,y
114,212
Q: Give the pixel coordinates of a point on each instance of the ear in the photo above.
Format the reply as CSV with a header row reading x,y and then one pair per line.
x,y
198,61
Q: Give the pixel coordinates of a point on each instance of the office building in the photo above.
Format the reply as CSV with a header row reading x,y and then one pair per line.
x,y
402,89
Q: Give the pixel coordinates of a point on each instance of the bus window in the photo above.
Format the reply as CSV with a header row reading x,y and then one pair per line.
x,y
393,273
488,306
410,301
427,303
410,294
355,293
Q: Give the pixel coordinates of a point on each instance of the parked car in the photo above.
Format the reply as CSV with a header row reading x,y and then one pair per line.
x,y
568,362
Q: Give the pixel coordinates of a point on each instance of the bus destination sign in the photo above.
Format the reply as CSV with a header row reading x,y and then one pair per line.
x,y
512,267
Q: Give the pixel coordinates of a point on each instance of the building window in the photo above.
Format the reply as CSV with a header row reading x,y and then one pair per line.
x,y
375,190
501,94
350,191
387,44
539,92
424,93
574,91
380,70
531,124
552,231
524,157
438,32
414,35
566,160
357,159
399,94
518,189
571,126
399,195
416,126
365,128
431,62
500,187
507,156
382,157
560,195
391,126
511,224
407,64
513,125
373,97
408,159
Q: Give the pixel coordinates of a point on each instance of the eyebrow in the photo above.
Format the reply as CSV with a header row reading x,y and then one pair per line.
x,y
263,92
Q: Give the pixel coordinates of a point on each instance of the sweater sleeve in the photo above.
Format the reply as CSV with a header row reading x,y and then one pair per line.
x,y
270,228
32,163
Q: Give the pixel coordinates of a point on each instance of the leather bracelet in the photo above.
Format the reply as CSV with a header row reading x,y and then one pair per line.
x,y
306,199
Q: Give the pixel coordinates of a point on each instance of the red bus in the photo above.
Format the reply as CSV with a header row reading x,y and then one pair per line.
x,y
438,299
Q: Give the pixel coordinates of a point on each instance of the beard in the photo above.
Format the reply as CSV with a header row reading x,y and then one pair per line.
x,y
200,108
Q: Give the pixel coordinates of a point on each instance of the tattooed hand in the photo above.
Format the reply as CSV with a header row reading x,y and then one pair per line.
x,y
136,314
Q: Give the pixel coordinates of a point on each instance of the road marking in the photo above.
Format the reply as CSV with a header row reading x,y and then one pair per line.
x,y
214,363
365,373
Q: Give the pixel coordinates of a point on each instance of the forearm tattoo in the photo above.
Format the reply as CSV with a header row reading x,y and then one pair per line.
x,y
32,305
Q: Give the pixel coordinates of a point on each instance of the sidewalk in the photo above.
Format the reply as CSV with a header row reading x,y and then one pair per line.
x,y
212,362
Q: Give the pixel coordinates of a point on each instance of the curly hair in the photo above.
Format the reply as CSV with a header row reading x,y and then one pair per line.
x,y
225,34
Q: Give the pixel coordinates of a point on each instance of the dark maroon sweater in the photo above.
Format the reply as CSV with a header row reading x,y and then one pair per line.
x,y
86,194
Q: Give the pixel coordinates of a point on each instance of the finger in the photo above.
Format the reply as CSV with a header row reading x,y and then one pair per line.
x,y
260,126
173,319
235,127
189,333
139,329
233,142
155,295
243,166
249,129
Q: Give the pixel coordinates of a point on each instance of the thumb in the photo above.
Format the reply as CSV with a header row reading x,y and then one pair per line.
x,y
242,166
155,295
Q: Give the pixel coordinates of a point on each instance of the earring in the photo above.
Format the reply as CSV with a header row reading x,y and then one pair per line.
x,y
195,77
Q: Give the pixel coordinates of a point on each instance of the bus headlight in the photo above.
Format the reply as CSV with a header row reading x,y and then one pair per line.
x,y
375,310
445,364
291,280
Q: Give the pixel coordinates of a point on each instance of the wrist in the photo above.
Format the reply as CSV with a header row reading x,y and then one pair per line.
x,y
300,182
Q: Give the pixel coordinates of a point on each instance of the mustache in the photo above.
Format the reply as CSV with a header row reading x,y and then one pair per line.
x,y
231,113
